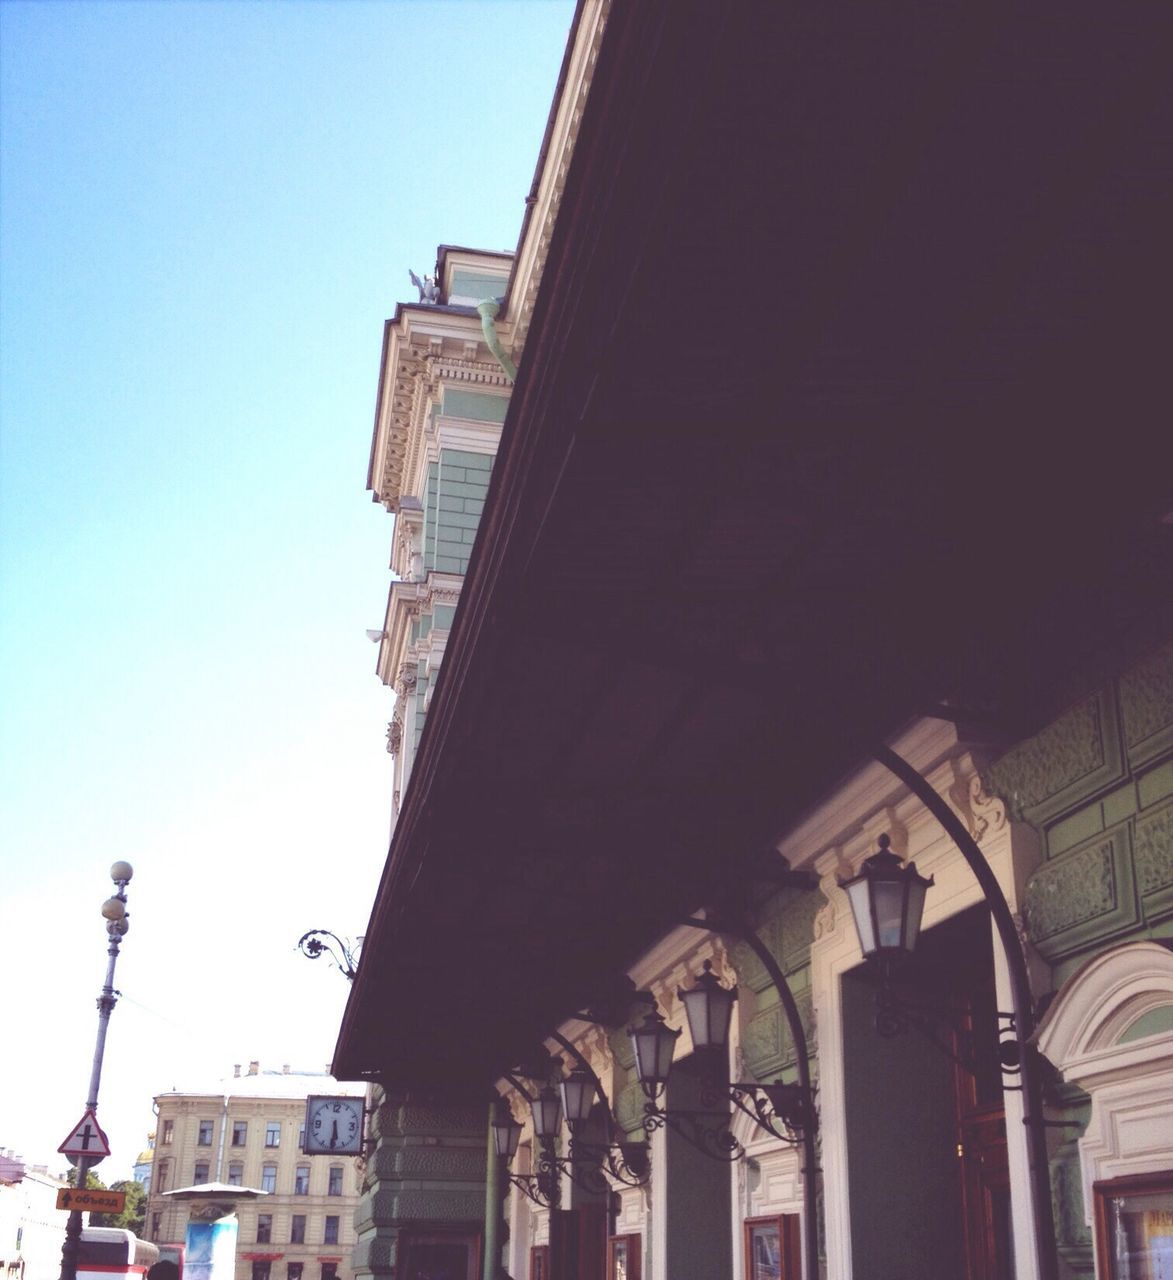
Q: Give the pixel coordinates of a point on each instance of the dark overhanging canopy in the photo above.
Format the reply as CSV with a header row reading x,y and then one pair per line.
x,y
844,396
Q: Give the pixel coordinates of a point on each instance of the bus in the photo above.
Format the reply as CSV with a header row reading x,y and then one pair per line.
x,y
107,1252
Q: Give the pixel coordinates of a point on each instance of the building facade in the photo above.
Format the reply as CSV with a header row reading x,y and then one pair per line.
x,y
248,1132
762,577
32,1228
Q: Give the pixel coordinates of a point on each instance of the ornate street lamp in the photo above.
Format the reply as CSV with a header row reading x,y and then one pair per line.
x,y
654,1043
506,1133
578,1097
887,902
546,1110
117,919
709,1007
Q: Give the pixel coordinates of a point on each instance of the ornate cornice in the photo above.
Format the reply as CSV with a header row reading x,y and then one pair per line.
x,y
532,253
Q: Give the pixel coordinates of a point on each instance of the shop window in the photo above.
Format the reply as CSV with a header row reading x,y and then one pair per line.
x,y
331,1233
772,1248
269,1178
264,1228
1134,1227
624,1255
294,1270
329,1271
261,1269
297,1230
335,1185
239,1133
205,1134
301,1180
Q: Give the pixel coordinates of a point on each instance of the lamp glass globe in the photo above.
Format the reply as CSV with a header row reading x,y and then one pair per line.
x,y
121,872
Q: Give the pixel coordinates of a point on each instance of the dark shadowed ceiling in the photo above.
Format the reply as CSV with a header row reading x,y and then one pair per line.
x,y
846,393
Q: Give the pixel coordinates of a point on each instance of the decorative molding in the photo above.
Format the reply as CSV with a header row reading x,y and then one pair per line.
x,y
1071,889
1082,898
1153,851
532,253
1063,764
1146,697
1130,1081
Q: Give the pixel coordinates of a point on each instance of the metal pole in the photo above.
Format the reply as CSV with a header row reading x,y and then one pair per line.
x,y
116,927
1046,1250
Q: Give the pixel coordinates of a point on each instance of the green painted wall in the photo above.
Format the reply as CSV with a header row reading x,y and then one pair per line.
x,y
1097,783
462,481
786,927
901,1150
697,1193
478,284
477,405
428,1169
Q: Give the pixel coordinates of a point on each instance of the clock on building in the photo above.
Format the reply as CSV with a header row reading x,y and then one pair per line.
x,y
333,1126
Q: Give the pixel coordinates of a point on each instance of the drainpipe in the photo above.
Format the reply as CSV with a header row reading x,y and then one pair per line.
x,y
219,1174
488,311
493,1197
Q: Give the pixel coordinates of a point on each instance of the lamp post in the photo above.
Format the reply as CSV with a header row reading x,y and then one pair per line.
x,y
117,923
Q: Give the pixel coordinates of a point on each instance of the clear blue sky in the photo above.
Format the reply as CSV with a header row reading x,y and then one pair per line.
x,y
206,212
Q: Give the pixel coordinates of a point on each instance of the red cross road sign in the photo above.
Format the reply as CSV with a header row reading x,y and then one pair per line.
x,y
86,1139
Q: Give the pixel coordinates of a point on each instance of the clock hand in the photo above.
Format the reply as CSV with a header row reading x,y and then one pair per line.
x,y
334,1134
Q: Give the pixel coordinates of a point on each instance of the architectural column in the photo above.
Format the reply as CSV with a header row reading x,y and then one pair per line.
x,y
424,1193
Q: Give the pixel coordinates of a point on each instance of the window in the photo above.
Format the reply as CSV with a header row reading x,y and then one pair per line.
x,y
772,1248
329,1271
301,1138
161,1175
205,1138
239,1132
261,1270
236,1174
301,1180
294,1271
156,1223
273,1133
297,1230
1134,1225
201,1172
168,1132
269,1177
331,1235
264,1228
335,1187
624,1255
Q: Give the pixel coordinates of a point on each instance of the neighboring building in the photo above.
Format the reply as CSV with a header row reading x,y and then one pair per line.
x,y
247,1131
32,1228
832,502
144,1163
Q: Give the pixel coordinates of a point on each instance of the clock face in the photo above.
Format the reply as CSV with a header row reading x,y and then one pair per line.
x,y
333,1126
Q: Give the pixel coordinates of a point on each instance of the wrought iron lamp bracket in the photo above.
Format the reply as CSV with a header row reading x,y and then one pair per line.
x,y
707,1131
945,1028
312,947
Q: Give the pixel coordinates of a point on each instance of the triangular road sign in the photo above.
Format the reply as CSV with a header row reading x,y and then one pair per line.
x,y
86,1139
